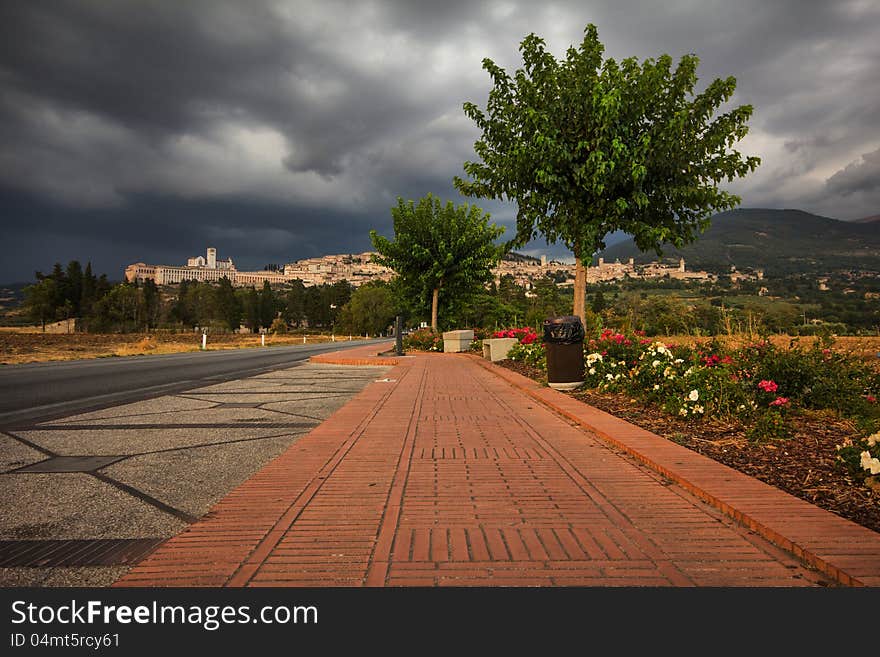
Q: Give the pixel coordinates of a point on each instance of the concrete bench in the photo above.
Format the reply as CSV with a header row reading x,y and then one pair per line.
x,y
455,341
495,349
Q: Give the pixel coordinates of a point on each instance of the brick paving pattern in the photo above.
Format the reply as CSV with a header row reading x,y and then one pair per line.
x,y
445,474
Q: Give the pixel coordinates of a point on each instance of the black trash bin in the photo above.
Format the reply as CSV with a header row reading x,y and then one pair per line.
x,y
564,344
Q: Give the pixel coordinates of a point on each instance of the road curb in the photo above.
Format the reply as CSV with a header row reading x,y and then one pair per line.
x,y
368,355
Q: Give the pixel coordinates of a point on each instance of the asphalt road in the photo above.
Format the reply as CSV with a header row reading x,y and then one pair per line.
x,y
41,391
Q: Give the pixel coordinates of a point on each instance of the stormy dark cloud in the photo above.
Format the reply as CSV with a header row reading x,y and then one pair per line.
x,y
276,130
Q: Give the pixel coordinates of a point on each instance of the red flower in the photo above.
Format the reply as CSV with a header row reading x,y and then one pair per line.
x,y
768,386
779,401
871,399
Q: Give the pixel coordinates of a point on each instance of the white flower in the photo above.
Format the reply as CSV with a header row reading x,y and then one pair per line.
x,y
870,463
656,363
699,409
656,386
694,395
592,370
874,439
678,361
682,411
609,376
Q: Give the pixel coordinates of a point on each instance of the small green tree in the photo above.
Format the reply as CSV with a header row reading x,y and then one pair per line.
x,y
226,305
267,305
152,303
294,302
439,248
586,147
118,310
249,300
40,299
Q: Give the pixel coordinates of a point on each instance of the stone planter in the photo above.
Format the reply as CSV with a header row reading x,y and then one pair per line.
x,y
456,341
495,349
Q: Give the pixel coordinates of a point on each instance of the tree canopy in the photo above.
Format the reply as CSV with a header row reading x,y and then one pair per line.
x,y
370,310
587,146
438,249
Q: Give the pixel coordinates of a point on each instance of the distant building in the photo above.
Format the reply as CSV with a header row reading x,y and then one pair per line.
x,y
359,268
199,268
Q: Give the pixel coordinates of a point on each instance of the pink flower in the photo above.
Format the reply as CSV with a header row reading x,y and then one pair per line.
x,y
768,386
779,401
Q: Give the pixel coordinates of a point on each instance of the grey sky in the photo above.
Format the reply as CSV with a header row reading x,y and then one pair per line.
x,y
280,130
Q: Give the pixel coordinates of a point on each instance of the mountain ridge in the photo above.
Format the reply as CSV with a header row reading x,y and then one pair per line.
x,y
778,241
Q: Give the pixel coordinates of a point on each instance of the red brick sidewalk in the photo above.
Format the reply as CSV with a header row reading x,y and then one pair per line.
x,y
446,474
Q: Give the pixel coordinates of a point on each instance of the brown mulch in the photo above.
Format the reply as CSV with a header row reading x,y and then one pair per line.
x,y
804,466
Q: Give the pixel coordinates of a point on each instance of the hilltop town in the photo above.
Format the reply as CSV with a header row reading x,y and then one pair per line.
x,y
359,268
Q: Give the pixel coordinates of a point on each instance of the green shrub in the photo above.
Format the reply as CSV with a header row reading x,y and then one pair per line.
x,y
423,340
771,424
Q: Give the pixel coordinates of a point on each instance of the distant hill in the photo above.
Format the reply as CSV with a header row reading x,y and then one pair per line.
x,y
778,241
869,220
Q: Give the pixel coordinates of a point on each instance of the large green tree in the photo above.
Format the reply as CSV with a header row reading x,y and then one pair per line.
x,y
370,310
439,249
587,146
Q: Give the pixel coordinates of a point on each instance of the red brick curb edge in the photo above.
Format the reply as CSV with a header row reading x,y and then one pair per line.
x,y
368,355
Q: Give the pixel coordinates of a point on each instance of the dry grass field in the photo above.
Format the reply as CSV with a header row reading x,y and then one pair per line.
x,y
866,348
32,346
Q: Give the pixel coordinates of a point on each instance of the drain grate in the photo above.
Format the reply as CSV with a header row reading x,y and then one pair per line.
x,y
470,453
94,552
71,464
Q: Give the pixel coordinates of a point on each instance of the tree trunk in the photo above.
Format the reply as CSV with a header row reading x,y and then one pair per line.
x,y
580,290
435,302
